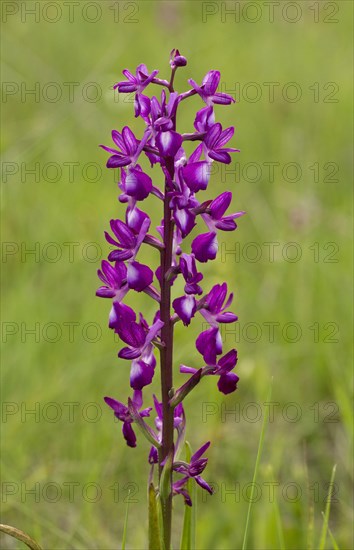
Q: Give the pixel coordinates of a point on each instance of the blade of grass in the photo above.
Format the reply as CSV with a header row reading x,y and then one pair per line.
x,y
333,540
278,524
259,453
310,505
327,511
125,528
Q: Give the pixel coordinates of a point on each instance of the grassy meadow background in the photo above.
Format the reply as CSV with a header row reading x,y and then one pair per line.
x,y
66,473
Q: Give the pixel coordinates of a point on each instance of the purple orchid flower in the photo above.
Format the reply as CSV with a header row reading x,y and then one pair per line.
x,y
139,337
207,90
205,246
227,380
137,82
215,218
214,306
121,412
136,183
114,279
204,119
214,142
209,344
192,470
183,203
139,276
129,149
190,274
163,135
196,173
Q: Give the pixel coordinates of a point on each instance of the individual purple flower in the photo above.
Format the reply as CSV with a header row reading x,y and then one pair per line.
x,y
137,82
183,202
215,304
139,337
204,119
214,217
114,279
164,137
214,142
207,90
205,246
135,182
139,276
196,173
227,380
135,218
190,274
121,412
142,106
128,147
193,470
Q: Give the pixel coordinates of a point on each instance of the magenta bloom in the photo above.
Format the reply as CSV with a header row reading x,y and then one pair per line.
x,y
122,413
192,470
137,82
207,90
171,254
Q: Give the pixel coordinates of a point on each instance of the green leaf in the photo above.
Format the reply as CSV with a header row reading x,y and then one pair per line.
x,y
20,535
154,527
189,521
125,528
327,510
258,458
333,540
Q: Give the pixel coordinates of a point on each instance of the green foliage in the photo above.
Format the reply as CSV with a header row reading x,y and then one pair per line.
x,y
256,466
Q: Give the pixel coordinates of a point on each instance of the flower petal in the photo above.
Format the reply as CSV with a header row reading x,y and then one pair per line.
x,y
185,307
116,161
228,383
168,143
211,82
139,276
205,247
141,374
197,175
129,434
185,220
219,205
138,184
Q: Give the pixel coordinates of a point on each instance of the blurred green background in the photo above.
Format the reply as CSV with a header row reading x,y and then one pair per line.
x,y
66,472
